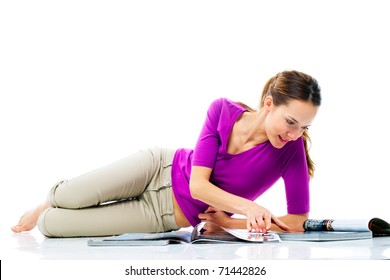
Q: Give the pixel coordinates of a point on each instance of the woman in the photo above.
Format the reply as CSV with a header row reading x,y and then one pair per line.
x,y
240,153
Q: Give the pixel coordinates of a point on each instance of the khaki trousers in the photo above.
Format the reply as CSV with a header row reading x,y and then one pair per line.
x,y
130,195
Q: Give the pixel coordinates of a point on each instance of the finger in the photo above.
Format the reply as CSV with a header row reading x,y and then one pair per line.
x,y
257,224
267,221
202,216
249,225
262,224
209,210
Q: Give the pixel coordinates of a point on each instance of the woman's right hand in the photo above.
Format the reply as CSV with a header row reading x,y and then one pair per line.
x,y
259,219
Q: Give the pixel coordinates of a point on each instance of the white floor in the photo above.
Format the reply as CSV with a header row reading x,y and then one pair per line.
x,y
33,246
30,254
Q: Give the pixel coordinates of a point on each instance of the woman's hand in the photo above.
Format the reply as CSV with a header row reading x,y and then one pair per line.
x,y
260,219
215,216
220,218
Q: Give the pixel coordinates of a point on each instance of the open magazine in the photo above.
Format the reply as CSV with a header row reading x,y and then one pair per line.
x,y
204,232
377,226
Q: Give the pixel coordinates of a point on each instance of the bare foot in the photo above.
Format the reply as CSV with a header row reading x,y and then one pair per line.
x,y
29,220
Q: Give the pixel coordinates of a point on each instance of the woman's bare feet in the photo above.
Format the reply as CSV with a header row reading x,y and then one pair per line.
x,y
29,220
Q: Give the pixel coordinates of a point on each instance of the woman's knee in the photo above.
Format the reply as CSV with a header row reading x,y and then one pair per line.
x,y
43,223
60,196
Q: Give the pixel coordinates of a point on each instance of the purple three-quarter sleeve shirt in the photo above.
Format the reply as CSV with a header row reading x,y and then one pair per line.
x,y
248,174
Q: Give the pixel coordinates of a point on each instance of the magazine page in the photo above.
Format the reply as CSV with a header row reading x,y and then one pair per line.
x,y
139,242
254,236
143,239
212,232
325,235
173,235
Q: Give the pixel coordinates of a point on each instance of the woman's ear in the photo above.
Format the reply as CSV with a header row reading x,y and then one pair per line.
x,y
268,102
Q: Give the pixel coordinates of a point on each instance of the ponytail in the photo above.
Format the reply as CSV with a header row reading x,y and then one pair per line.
x,y
306,143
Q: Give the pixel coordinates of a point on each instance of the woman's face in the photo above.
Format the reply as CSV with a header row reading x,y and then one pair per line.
x,y
286,123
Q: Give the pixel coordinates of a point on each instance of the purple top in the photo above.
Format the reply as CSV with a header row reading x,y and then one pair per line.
x,y
248,174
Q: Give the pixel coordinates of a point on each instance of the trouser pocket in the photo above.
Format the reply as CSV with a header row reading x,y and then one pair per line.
x,y
159,191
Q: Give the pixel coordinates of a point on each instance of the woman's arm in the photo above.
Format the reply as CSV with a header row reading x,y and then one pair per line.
x,y
294,222
258,218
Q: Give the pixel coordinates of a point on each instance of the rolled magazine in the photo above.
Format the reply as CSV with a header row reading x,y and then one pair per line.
x,y
377,226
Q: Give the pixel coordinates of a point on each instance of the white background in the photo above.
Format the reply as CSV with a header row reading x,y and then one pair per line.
x,y
84,83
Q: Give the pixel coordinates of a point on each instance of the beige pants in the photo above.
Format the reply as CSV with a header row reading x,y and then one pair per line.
x,y
130,195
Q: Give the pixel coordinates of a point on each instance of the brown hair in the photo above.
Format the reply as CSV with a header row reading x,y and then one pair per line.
x,y
293,85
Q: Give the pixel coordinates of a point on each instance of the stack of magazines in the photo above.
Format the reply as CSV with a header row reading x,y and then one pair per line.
x,y
206,232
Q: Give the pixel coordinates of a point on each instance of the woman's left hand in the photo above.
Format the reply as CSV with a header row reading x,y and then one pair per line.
x,y
215,216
